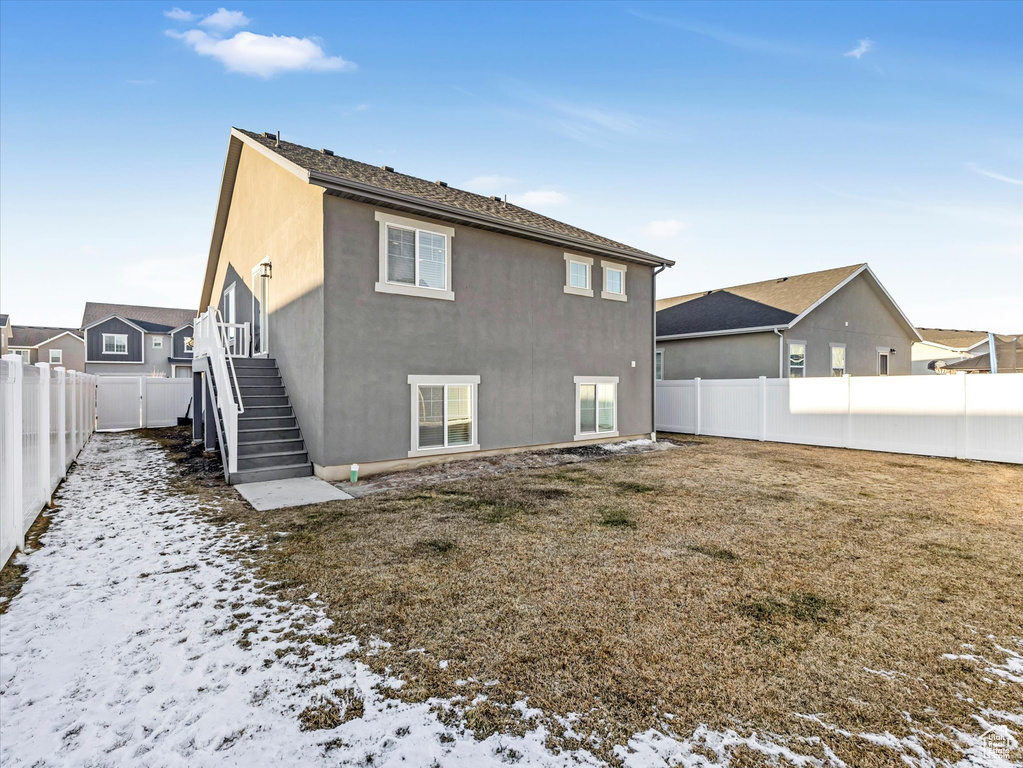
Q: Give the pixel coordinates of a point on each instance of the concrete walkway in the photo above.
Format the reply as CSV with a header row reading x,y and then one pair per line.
x,y
290,492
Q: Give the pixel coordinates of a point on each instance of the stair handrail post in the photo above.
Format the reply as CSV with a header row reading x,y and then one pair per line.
x,y
212,342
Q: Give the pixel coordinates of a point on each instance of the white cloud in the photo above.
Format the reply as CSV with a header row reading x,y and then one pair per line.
x,y
992,175
180,15
489,185
865,46
539,197
665,228
225,20
263,55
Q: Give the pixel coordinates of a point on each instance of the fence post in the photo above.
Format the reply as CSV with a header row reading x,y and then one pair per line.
x,y
698,406
962,419
44,430
12,427
763,408
74,414
847,442
61,425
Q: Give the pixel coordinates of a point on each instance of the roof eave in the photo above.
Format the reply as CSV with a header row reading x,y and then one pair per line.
x,y
349,188
725,332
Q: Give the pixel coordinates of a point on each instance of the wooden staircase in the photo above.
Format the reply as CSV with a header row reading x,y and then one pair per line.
x,y
270,444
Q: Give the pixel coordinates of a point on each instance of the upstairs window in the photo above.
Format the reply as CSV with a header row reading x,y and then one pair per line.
x,y
614,281
158,342
578,271
415,257
115,343
797,359
838,359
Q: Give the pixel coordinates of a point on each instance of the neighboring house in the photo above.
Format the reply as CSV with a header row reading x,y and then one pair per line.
x,y
128,340
941,346
5,333
1008,357
411,321
829,323
41,344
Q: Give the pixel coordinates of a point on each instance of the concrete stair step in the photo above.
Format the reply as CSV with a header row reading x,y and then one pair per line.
x,y
272,473
270,447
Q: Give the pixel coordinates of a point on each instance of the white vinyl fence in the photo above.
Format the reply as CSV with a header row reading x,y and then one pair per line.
x,y
47,416
131,402
966,417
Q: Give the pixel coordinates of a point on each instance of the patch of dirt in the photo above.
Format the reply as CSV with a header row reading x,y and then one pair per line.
x,y
466,469
191,460
14,574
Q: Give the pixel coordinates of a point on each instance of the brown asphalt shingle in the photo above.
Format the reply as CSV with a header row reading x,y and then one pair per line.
x,y
469,202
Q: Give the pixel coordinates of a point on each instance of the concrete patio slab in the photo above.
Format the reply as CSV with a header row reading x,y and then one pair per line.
x,y
290,492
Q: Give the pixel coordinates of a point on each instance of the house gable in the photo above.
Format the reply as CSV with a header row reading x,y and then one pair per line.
x,y
114,325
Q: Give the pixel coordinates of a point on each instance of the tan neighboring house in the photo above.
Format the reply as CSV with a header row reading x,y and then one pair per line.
x,y
1007,358
940,346
44,344
829,323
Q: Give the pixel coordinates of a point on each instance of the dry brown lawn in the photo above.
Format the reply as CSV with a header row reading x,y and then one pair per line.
x,y
731,583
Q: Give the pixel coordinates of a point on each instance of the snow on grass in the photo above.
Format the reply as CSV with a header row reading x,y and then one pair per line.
x,y
142,637
616,447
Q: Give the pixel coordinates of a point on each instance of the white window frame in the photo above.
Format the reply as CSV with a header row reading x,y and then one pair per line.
x,y
24,354
788,357
659,355
158,342
60,356
832,348
115,336
887,352
416,381
384,286
605,266
587,262
579,382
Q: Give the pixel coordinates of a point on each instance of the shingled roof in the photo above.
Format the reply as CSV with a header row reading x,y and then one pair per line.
x,y
3,320
320,164
33,335
150,319
773,303
949,337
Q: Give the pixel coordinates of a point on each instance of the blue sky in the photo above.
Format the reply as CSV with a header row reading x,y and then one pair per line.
x,y
745,141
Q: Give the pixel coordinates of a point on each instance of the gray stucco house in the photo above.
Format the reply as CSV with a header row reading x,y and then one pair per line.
x,y
46,344
388,320
828,323
131,340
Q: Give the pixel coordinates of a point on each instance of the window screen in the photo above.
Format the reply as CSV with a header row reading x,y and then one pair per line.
x,y
401,255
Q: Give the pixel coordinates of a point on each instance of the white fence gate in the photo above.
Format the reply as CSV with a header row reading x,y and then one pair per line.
x,y
131,402
967,417
47,416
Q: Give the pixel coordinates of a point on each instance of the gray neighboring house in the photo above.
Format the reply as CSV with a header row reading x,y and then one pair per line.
x,y
413,322
130,340
46,344
828,323
5,333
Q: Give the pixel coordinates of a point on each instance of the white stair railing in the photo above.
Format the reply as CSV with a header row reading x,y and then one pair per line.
x,y
219,343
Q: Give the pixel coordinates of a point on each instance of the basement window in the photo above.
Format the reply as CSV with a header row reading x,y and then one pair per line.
x,y
596,407
443,414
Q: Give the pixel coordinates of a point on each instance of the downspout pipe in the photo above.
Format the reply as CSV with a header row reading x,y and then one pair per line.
x,y
781,354
653,352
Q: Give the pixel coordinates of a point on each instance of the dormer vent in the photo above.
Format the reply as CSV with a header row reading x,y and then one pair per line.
x,y
328,152
387,168
441,183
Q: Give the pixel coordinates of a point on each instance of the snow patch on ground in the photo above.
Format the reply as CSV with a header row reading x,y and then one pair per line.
x,y
616,447
142,637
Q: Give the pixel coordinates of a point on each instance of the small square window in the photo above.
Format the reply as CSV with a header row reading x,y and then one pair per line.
x,y
56,356
579,275
158,342
578,271
614,281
